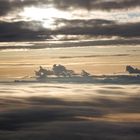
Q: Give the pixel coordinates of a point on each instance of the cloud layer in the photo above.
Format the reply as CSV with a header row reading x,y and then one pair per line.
x,y
111,112
11,5
22,31
95,28
15,27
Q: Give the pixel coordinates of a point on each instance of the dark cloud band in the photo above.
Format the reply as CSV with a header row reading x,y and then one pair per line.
x,y
33,30
99,28
22,31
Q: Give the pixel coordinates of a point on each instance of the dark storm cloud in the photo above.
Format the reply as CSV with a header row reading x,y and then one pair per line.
x,y
22,31
93,4
7,6
99,28
116,4
65,4
96,4
33,30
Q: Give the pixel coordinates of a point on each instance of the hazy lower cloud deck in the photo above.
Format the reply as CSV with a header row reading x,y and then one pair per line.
x,y
69,111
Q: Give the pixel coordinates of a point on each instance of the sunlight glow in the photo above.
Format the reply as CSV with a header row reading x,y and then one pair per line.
x,y
45,15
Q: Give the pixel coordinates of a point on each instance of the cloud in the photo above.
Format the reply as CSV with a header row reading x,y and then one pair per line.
x,y
120,4
19,30
90,56
83,23
8,6
109,113
33,30
94,4
40,112
64,4
22,31
98,28
35,111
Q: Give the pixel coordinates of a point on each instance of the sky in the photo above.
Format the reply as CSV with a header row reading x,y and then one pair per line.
x,y
82,34
101,37
41,20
